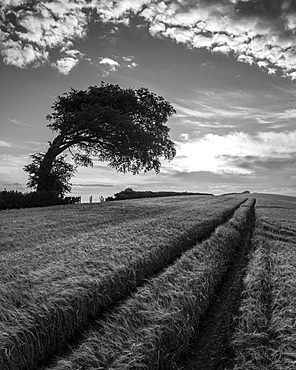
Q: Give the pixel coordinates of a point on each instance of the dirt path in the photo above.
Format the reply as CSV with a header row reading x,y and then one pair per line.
x,y
210,349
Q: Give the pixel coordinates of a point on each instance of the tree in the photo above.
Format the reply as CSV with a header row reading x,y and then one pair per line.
x,y
123,127
59,177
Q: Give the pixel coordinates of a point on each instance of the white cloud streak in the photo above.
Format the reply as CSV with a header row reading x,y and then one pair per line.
x,y
18,122
226,153
5,144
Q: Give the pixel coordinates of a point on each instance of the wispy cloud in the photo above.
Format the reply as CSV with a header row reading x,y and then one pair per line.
x,y
5,144
202,111
94,185
18,122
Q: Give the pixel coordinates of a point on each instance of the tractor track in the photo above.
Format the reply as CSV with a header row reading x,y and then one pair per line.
x,y
210,348
80,336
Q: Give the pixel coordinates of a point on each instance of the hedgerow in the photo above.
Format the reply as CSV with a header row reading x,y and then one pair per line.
x,y
15,199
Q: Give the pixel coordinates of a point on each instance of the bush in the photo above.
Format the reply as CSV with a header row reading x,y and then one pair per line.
x,y
15,199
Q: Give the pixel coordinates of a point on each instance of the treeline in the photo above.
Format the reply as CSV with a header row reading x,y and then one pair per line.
x,y
16,199
131,194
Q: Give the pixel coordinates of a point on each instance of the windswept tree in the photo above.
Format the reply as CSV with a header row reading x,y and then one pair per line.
x,y
124,127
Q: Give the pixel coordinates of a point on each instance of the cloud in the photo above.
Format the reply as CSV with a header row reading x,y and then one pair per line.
x,y
262,164
129,61
257,32
198,110
109,62
237,152
18,122
245,59
19,55
65,65
132,65
5,144
110,65
94,185
206,181
222,110
292,75
31,29
118,11
71,58
6,3
184,137
128,58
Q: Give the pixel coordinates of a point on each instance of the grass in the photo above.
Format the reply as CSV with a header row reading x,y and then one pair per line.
x,y
62,266
153,328
266,334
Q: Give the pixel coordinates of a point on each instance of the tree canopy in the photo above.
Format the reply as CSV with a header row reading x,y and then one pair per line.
x,y
59,177
124,127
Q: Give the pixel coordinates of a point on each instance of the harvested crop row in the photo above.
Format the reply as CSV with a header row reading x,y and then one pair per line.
x,y
266,333
50,291
153,328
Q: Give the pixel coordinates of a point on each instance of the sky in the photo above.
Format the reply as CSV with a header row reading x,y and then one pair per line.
x,y
228,67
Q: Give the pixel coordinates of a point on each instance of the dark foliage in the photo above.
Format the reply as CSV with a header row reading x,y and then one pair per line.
x,y
58,179
124,127
131,194
72,200
15,199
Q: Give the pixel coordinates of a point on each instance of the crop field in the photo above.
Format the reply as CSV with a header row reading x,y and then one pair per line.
x,y
193,282
265,337
152,328
63,266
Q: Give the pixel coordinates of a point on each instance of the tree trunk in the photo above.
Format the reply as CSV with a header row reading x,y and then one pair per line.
x,y
47,163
